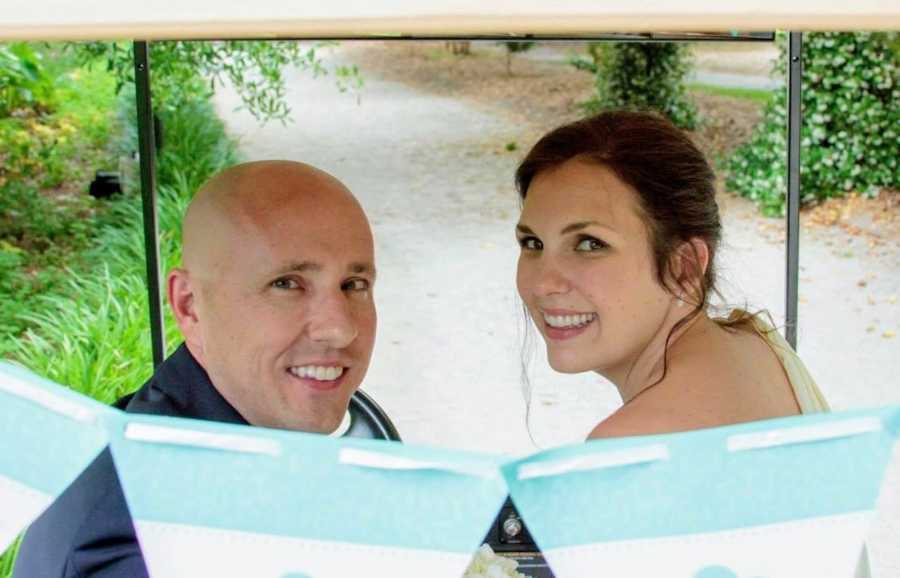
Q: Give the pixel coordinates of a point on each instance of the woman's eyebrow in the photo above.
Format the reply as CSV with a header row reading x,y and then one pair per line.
x,y
571,228
524,229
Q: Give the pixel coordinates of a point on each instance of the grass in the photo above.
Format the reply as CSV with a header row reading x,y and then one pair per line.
x,y
8,559
752,94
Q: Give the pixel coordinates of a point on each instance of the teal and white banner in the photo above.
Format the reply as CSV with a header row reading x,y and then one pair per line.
x,y
48,436
786,498
237,501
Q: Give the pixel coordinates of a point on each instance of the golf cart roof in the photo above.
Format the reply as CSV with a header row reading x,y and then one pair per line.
x,y
169,19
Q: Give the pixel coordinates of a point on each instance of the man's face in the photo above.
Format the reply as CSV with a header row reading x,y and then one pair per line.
x,y
286,318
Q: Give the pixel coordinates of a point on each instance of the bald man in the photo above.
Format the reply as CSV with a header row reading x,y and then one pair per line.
x,y
274,299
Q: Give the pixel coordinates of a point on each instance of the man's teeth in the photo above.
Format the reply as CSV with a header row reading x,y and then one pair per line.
x,y
318,372
569,320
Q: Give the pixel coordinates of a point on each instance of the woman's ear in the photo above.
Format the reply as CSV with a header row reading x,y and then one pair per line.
x,y
688,266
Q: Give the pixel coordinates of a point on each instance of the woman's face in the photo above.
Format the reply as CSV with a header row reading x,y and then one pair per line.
x,y
586,271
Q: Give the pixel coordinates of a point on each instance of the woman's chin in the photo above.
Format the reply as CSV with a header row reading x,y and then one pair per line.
x,y
568,363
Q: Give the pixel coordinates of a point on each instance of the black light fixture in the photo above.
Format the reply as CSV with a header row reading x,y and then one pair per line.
x,y
105,185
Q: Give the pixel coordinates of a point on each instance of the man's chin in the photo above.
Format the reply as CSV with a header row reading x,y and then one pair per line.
x,y
326,422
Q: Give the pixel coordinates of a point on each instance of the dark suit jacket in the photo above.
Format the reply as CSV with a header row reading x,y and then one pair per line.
x,y
88,532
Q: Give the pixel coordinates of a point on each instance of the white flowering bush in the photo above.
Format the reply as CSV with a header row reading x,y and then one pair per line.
x,y
850,136
486,564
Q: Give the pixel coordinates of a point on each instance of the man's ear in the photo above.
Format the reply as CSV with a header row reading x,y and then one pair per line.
x,y
182,292
687,267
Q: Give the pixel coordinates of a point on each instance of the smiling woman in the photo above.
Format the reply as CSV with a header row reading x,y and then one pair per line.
x,y
619,231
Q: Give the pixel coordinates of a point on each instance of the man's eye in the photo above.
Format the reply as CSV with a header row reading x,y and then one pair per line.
x,y
531,244
589,244
285,283
356,285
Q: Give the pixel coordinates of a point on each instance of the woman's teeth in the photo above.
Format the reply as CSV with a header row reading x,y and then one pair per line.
x,y
318,372
569,320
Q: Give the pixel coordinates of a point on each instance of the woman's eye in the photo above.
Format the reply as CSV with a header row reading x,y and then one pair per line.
x,y
285,283
531,243
589,244
356,285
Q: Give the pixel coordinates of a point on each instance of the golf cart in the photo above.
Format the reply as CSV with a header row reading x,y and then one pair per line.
x,y
407,21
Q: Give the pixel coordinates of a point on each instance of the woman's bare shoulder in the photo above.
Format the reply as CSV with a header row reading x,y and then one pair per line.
x,y
639,421
734,380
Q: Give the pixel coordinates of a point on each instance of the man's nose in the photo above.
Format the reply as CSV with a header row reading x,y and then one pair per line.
x,y
332,322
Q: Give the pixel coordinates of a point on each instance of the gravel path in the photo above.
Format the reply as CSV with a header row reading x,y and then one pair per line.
x,y
434,176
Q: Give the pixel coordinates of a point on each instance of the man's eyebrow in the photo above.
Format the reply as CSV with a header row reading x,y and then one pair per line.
x,y
362,268
525,229
299,267
357,268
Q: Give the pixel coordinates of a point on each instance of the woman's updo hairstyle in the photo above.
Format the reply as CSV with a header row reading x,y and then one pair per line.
x,y
674,183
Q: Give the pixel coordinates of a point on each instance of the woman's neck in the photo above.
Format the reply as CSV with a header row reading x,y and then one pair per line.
x,y
648,368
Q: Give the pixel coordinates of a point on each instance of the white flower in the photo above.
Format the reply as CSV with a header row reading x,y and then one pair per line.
x,y
486,564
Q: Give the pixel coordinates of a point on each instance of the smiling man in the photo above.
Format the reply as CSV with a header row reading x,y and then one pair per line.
x,y
274,298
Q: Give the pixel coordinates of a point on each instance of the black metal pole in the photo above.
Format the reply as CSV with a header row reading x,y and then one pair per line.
x,y
794,123
147,150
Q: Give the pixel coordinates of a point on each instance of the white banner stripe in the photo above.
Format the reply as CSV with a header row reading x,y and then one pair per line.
x,y
606,460
46,399
804,434
383,461
186,437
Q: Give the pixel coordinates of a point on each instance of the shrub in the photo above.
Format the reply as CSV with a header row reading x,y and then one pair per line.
x,y
850,138
515,48
24,83
98,319
640,76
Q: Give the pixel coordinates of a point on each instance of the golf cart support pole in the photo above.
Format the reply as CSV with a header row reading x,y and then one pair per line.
x,y
147,151
794,120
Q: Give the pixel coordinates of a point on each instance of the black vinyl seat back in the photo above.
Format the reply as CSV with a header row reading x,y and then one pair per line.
x,y
368,420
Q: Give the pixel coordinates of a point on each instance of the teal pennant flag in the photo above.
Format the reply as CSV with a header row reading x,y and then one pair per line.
x,y
783,498
48,436
223,500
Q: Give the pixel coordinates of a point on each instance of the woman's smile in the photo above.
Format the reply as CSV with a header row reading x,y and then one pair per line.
x,y
561,325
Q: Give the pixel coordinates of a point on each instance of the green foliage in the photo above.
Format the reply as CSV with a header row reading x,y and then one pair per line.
x,y
24,82
8,559
89,328
850,135
521,46
640,76
756,95
179,163
46,147
514,48
184,72
40,149
93,334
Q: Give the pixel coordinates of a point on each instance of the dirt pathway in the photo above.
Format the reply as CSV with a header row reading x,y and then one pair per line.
x,y
433,171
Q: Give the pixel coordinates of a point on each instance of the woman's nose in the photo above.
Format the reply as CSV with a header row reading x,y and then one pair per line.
x,y
332,322
549,279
